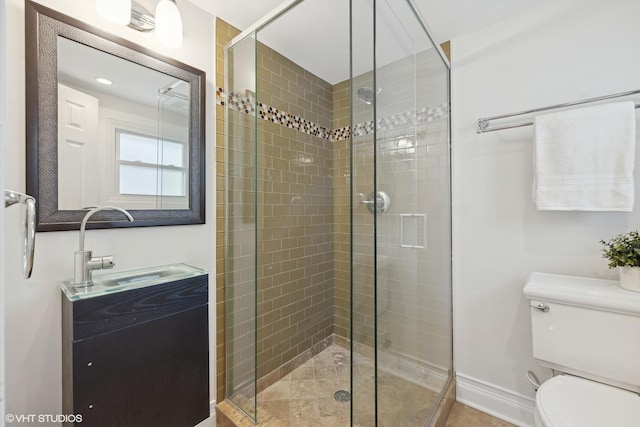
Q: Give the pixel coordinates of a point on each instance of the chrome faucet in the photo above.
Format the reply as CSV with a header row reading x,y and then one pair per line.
x,y
84,262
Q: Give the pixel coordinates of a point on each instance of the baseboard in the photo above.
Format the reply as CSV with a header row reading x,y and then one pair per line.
x,y
212,408
495,401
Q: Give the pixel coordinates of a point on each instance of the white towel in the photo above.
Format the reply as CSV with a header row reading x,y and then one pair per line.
x,y
584,158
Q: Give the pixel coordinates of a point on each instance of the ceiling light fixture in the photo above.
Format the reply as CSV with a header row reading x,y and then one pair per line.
x,y
168,23
103,81
141,18
116,11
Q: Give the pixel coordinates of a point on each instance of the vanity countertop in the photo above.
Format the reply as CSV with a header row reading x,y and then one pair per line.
x,y
131,279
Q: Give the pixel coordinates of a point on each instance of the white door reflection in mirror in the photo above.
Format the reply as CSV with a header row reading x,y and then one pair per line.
x,y
77,148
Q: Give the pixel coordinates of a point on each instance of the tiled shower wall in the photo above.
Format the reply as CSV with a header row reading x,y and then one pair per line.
x,y
413,304
341,213
361,318
295,218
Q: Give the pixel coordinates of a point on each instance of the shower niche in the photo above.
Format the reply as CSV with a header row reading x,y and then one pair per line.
x,y
336,153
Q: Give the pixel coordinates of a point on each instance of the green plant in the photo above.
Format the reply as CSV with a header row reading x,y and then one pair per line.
x,y
623,250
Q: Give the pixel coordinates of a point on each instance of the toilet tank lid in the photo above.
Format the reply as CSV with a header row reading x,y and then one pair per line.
x,y
588,292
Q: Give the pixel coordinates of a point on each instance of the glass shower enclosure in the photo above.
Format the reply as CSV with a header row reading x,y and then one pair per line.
x,y
338,215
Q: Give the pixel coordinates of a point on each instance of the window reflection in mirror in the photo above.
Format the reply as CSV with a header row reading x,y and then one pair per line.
x,y
147,167
123,132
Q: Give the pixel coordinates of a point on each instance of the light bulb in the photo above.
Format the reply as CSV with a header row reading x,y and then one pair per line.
x,y
168,23
104,81
116,11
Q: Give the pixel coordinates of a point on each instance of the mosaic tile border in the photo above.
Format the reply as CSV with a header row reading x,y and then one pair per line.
x,y
247,105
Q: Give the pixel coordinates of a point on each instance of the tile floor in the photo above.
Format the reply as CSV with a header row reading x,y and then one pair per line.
x,y
464,416
305,397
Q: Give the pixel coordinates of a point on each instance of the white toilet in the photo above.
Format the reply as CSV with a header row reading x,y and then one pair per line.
x,y
588,332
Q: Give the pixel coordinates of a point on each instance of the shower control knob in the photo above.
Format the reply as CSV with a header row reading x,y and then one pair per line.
x,y
377,203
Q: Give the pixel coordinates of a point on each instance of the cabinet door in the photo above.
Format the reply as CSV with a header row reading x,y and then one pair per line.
x,y
151,374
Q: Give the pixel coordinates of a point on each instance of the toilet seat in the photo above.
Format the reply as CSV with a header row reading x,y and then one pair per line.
x,y
567,401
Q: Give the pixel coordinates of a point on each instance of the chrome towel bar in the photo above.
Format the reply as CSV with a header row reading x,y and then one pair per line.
x,y
484,123
29,227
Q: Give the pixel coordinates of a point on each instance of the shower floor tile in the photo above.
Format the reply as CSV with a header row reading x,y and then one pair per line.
x,y
305,397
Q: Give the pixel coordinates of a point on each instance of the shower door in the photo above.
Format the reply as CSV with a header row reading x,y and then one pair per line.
x,y
241,226
401,217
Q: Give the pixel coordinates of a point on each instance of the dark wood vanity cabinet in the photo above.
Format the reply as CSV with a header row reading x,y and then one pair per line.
x,y
138,357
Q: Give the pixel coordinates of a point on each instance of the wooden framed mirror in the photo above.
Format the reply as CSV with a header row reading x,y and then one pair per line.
x,y
110,123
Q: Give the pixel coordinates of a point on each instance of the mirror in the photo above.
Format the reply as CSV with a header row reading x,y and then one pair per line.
x,y
110,123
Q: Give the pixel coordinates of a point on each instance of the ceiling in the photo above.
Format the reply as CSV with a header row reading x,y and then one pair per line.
x,y
79,66
315,34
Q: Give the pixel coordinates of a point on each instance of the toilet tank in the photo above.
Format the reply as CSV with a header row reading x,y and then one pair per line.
x,y
586,327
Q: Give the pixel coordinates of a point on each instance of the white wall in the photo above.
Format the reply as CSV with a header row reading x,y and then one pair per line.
x,y
2,295
33,332
564,50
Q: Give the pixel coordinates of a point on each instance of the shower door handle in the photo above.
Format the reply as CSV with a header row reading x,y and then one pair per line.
x,y
29,227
